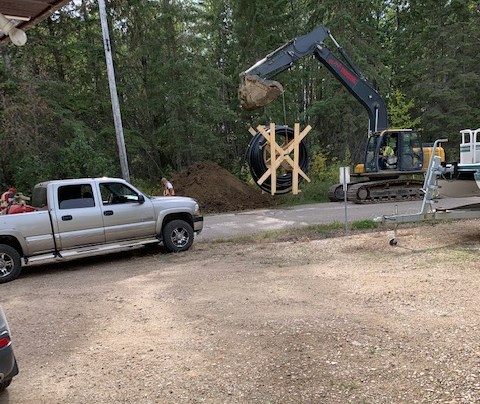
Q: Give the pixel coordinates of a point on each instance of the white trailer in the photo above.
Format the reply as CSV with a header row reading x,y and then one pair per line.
x,y
436,173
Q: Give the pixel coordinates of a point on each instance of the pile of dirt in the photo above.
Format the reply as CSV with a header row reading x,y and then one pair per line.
x,y
217,190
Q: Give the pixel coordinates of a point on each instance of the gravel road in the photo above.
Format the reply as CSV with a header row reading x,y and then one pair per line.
x,y
343,320
228,225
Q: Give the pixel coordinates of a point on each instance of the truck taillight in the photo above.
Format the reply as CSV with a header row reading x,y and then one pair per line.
x,y
4,341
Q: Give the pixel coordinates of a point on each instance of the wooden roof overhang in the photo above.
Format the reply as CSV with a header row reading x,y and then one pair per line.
x,y
28,13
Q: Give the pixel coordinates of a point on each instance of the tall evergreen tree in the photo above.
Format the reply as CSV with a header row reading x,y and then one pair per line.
x,y
177,64
434,62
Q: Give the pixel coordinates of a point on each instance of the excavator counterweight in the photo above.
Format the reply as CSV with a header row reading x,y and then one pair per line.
x,y
255,92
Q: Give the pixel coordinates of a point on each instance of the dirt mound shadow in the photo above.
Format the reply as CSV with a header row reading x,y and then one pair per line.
x,y
217,190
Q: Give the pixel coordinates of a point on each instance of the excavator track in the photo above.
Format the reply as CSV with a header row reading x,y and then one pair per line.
x,y
335,192
385,191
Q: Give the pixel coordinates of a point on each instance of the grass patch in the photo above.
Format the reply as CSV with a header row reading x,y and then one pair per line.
x,y
312,232
364,225
319,232
313,192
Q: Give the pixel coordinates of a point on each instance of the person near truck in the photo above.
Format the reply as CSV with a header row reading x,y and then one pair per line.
x,y
167,187
7,198
19,205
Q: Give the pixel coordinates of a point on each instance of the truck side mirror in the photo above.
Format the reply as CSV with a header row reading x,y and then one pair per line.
x,y
141,199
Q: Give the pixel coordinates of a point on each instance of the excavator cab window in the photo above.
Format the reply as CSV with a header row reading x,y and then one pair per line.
x,y
382,152
394,150
411,154
371,154
388,154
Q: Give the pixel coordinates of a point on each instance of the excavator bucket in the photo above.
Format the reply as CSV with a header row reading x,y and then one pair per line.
x,y
255,92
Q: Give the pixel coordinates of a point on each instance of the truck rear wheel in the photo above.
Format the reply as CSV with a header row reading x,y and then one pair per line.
x,y
10,264
177,236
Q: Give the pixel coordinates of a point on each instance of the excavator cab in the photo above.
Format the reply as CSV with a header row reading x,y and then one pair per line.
x,y
394,150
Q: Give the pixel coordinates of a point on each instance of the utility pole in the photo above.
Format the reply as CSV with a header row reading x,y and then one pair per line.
x,y
117,116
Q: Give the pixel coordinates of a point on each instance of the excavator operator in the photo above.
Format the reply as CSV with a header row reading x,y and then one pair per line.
x,y
387,157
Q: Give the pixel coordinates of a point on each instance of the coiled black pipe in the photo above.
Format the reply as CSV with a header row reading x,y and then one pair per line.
x,y
258,166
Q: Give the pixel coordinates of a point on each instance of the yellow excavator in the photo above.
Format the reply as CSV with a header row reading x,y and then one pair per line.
x,y
383,176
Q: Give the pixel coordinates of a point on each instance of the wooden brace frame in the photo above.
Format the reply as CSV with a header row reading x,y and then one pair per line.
x,y
280,156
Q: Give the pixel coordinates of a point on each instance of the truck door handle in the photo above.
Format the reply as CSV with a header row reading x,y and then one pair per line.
x,y
67,217
108,213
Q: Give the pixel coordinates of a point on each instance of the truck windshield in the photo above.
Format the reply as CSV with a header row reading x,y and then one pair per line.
x,y
115,193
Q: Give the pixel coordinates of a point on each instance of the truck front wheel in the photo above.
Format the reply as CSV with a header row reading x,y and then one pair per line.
x,y
10,264
177,236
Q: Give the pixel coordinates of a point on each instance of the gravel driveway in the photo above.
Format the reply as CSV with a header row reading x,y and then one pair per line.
x,y
343,320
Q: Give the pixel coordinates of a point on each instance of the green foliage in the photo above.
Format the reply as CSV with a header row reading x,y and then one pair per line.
x,y
336,225
312,232
82,158
364,225
149,187
28,171
323,172
399,111
324,169
310,192
177,64
432,56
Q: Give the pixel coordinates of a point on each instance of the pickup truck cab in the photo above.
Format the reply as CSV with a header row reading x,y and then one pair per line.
x,y
88,216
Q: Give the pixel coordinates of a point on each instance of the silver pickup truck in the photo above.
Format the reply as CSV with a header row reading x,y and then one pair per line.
x,y
83,217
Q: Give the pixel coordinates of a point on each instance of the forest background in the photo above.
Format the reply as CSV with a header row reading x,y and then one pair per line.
x,y
177,64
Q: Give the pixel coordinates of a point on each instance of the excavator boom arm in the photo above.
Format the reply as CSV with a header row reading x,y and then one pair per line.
x,y
257,89
284,57
358,87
